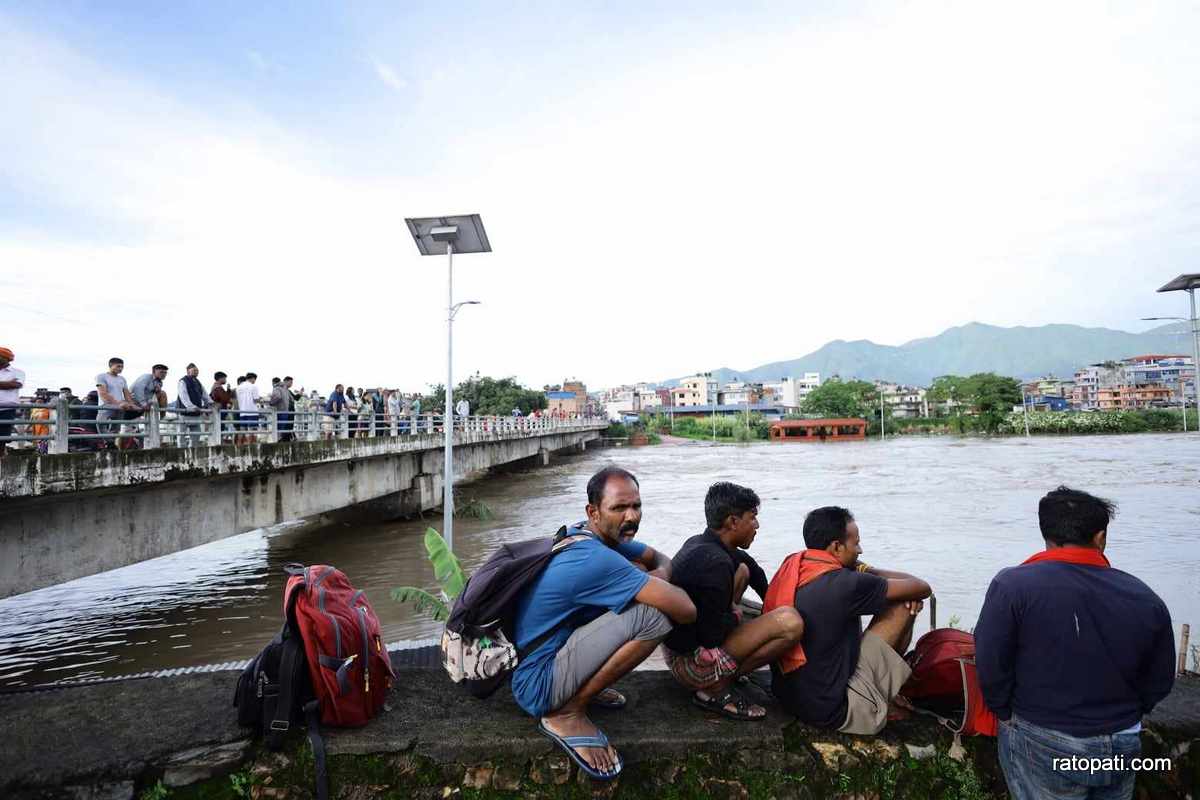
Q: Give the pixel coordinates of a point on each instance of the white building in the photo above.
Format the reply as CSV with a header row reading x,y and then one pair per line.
x,y
790,392
697,390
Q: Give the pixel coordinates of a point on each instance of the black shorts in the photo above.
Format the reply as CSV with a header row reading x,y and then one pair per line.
x,y
6,425
247,420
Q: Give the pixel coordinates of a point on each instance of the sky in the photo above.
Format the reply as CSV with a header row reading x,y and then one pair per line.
x,y
665,192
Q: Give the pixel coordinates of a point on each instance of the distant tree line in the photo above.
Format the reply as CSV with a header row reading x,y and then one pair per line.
x,y
488,396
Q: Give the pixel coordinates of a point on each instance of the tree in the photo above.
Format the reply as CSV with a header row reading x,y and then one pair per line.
x,y
992,398
838,398
487,396
947,389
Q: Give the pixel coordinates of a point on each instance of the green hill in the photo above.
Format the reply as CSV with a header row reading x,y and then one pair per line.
x,y
1020,352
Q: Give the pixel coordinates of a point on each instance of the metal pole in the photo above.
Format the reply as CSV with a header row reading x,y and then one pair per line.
x,y
448,414
1183,398
882,424
1195,356
1025,413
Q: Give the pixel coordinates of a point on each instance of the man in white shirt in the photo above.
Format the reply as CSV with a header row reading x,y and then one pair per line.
x,y
247,399
11,381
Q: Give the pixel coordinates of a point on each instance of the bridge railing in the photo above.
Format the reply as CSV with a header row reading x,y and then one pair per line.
x,y
38,426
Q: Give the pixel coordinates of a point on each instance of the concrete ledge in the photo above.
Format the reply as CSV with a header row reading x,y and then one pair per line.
x,y
119,739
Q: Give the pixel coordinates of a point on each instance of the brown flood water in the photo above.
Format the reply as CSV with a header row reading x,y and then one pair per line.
x,y
951,510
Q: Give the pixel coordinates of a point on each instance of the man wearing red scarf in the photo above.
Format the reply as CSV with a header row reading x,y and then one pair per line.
x,y
1071,653
838,676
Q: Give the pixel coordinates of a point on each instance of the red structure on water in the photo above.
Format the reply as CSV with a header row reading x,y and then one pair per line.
x,y
818,430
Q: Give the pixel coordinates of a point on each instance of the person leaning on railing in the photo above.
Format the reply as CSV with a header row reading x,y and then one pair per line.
x,y
11,381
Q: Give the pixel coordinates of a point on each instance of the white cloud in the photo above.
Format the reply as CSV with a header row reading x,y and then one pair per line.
x,y
731,202
389,76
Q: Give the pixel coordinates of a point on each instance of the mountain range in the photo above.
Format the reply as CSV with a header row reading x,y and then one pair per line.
x,y
1020,352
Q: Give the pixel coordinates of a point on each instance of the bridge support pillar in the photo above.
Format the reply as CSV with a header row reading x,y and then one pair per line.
x,y
543,456
582,446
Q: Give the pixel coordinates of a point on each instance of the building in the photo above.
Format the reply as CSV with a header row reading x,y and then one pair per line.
x,y
792,391
697,390
904,402
1175,372
740,393
1090,380
1146,381
648,397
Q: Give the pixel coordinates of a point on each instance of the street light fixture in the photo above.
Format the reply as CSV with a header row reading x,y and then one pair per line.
x,y
434,236
1190,283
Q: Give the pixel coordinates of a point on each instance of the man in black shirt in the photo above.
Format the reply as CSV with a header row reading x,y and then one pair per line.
x,y
843,678
714,569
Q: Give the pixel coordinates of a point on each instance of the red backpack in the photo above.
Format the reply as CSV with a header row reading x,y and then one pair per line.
x,y
326,665
347,661
944,684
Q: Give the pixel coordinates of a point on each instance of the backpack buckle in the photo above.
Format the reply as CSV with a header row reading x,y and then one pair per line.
x,y
280,724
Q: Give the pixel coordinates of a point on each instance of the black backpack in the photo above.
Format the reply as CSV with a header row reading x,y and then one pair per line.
x,y
275,691
478,647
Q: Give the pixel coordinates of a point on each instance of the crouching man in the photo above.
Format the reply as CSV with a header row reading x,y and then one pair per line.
x,y
590,618
1071,654
838,676
715,570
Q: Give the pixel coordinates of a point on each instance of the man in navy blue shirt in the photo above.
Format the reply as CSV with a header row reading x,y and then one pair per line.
x,y
598,616
1071,654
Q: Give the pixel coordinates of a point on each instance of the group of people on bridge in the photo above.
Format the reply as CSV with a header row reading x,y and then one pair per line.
x,y
1070,652
104,417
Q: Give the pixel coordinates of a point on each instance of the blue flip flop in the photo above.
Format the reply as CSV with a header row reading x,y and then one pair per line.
x,y
569,743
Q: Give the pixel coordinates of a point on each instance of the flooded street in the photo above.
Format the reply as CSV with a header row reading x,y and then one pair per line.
x,y
953,511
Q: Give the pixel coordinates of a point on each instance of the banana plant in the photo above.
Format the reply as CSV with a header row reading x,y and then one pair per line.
x,y
447,573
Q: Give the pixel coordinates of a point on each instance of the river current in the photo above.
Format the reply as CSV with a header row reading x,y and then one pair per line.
x,y
953,511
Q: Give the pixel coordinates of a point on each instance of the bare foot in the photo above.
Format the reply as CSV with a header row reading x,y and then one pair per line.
x,y
574,723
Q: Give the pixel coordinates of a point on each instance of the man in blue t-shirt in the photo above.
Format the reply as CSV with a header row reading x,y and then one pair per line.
x,y
597,610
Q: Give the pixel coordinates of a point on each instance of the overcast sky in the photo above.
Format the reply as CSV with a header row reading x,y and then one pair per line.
x,y
223,183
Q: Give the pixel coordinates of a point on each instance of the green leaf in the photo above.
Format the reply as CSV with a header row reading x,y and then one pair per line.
x,y
446,569
423,602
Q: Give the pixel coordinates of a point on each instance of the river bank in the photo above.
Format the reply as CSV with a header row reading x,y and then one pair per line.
x,y
177,738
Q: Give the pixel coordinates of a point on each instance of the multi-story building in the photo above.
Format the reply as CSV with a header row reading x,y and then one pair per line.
x,y
1136,382
1175,372
1090,380
904,401
648,397
792,391
740,393
697,390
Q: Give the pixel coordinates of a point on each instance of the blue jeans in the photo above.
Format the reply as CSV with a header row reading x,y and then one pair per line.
x,y
1037,766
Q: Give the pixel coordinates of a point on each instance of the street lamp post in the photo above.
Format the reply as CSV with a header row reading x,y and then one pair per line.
x,y
449,235
1189,283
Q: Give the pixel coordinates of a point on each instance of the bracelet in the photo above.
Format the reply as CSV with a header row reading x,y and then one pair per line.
x,y
862,567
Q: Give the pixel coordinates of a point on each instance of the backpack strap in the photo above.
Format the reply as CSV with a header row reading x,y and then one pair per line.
x,y
292,672
562,542
312,715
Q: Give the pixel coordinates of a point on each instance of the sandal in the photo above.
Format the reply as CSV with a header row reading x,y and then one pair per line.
x,y
609,698
741,705
569,743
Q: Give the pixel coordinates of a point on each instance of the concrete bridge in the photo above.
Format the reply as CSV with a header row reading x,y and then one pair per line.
x,y
74,514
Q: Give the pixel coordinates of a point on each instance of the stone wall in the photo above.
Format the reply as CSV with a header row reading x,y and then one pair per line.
x,y
176,737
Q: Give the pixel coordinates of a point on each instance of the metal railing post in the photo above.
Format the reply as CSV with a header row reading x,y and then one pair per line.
x,y
371,428
273,436
152,437
343,425
62,425
214,430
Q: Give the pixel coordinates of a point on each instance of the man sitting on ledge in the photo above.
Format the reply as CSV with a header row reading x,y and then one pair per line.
x,y
838,676
714,569
602,615
1071,653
